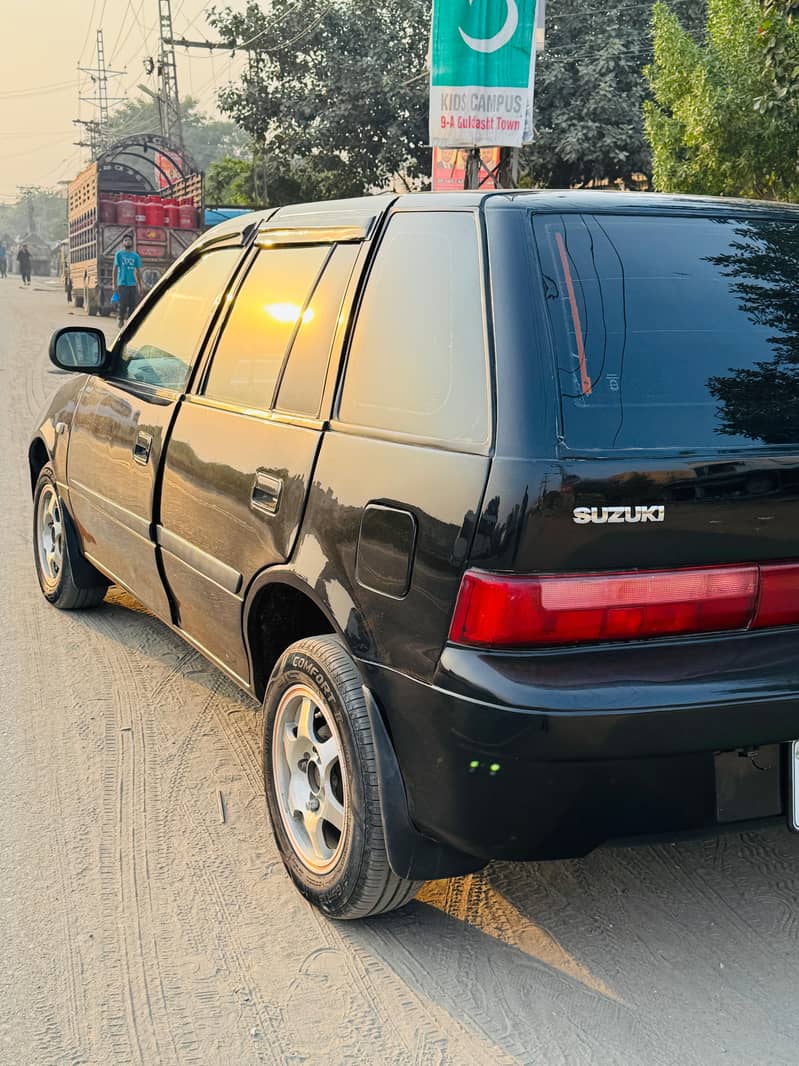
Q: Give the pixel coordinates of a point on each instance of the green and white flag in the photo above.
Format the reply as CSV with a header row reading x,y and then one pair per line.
x,y
482,69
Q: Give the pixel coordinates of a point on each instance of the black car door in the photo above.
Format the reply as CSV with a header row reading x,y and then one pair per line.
x,y
238,467
122,421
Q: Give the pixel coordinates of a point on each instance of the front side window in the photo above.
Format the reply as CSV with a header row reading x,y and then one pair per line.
x,y
417,361
270,305
161,349
673,332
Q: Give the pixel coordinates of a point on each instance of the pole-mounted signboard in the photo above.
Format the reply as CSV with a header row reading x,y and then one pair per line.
x,y
482,69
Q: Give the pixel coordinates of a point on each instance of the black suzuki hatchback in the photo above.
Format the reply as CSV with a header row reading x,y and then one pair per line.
x,y
492,499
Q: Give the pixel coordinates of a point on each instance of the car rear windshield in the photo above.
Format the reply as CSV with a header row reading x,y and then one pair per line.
x,y
673,332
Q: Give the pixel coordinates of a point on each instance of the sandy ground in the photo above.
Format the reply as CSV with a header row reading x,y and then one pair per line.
x,y
136,927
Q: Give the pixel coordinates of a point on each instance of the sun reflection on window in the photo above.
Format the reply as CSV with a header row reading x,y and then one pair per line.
x,y
288,312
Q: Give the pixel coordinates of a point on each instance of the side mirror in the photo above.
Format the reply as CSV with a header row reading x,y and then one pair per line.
x,y
79,348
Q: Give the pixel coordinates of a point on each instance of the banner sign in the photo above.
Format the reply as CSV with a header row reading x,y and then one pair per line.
x,y
482,70
449,168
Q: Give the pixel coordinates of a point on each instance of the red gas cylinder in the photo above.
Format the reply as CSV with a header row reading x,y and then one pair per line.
x,y
108,209
126,212
170,212
140,202
154,211
187,215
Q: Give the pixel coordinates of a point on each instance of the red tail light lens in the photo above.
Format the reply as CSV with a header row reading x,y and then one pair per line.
x,y
779,596
494,610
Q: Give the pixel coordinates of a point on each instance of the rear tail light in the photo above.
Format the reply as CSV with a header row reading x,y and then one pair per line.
x,y
779,596
496,610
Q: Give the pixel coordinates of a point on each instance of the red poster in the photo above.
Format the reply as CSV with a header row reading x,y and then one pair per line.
x,y
449,168
166,173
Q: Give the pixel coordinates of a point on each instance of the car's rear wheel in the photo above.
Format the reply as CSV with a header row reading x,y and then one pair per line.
x,y
320,777
57,562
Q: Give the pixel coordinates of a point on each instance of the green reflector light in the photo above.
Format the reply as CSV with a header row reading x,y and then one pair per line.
x,y
495,767
473,764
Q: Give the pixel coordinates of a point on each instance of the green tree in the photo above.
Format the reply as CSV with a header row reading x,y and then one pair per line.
x,y
229,183
779,39
589,91
46,207
334,97
207,139
706,134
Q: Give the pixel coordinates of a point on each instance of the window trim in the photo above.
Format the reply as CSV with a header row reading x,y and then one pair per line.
x,y
287,237
380,433
279,417
208,354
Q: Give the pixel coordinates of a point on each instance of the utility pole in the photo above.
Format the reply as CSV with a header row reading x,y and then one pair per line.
x,y
255,59
27,193
171,122
506,173
102,82
97,128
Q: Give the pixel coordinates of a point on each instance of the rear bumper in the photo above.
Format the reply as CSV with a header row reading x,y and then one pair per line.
x,y
548,756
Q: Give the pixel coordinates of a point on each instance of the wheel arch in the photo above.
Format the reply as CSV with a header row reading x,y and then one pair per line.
x,y
38,458
280,609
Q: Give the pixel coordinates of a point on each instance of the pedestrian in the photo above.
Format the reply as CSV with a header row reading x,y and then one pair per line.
x,y
127,278
3,260
24,260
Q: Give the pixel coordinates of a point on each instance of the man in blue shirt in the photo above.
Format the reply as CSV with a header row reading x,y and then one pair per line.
x,y
127,278
3,261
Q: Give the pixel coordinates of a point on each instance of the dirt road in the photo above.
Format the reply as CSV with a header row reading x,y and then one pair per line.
x,y
138,927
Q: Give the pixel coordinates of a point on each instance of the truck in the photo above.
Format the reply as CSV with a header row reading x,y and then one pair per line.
x,y
142,186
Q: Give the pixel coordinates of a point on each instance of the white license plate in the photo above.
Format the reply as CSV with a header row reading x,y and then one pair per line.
x,y
793,810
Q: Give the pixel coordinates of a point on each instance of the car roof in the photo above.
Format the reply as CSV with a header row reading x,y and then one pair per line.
x,y
607,200
366,209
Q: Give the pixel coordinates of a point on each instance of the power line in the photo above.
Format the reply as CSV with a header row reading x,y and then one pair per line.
x,y
242,46
88,31
42,91
112,52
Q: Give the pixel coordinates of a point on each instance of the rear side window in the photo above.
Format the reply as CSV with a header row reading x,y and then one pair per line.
x,y
304,376
269,307
673,332
417,361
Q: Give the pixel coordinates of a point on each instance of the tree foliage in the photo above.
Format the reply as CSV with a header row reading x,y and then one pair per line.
x,y
334,96
207,139
229,183
779,39
46,207
589,91
706,134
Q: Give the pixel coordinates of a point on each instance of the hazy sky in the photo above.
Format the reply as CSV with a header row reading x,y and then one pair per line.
x,y
44,42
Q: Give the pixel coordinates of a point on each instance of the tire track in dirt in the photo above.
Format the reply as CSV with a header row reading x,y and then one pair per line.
x,y
369,976
142,866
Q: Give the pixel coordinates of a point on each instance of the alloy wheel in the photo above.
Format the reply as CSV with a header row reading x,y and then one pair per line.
x,y
309,776
50,539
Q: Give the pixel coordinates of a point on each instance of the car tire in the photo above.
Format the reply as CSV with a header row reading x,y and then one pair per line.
x,y
66,579
320,778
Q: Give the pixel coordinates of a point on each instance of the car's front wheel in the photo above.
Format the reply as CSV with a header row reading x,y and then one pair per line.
x,y
320,777
66,580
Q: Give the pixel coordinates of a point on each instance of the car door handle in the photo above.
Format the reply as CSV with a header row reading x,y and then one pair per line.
x,y
141,449
265,495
